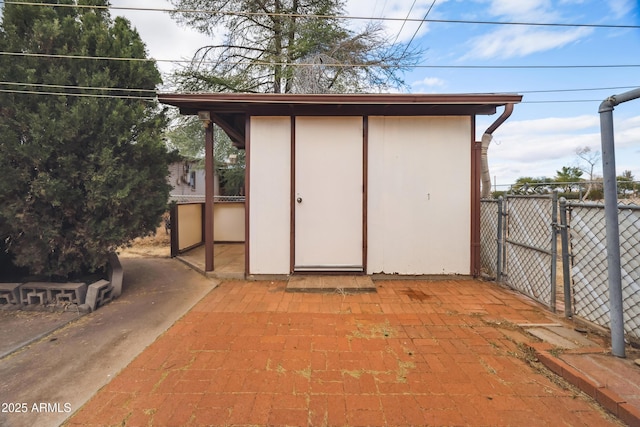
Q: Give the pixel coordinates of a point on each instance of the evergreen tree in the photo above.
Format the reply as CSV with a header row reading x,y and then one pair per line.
x,y
568,177
82,175
626,184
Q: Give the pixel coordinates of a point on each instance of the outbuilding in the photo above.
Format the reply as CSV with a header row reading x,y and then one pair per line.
x,y
353,183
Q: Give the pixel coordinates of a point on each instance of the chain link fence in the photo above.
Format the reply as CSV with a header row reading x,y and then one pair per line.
x,y
529,233
589,275
530,246
490,226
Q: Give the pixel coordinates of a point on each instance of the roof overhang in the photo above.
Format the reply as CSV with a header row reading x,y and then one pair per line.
x,y
229,110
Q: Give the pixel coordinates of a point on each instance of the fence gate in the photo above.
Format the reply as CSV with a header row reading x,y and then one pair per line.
x,y
531,246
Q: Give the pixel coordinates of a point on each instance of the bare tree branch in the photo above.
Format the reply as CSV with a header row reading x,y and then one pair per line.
x,y
304,54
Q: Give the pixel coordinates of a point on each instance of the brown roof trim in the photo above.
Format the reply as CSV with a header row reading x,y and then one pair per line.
x,y
355,98
231,109
242,102
394,104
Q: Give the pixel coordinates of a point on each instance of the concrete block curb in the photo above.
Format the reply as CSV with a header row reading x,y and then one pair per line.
x,y
606,397
116,274
10,292
98,294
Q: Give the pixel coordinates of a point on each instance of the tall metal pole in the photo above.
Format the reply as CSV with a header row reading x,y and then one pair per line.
x,y
611,217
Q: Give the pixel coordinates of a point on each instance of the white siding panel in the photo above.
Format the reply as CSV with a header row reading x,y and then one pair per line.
x,y
270,194
419,195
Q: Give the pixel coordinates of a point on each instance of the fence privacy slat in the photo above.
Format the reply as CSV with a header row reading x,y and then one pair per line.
x,y
528,237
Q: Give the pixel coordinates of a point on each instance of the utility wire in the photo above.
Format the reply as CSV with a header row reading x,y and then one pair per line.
x,y
404,21
84,95
114,89
102,58
419,26
346,17
154,99
266,63
577,90
152,91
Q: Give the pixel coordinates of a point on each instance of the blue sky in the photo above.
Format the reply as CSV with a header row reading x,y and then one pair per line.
x,y
545,130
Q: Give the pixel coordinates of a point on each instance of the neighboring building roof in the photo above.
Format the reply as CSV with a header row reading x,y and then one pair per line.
x,y
229,110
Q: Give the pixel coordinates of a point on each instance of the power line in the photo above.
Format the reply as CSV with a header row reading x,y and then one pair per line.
x,y
404,21
102,58
577,90
73,87
154,98
114,89
346,17
419,26
83,95
562,101
154,91
300,64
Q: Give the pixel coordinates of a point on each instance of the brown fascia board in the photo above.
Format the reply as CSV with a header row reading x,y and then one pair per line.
x,y
355,104
229,110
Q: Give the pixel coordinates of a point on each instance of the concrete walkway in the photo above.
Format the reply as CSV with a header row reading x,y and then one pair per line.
x,y
413,353
44,382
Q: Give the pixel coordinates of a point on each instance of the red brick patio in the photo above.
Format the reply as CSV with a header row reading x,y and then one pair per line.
x,y
414,353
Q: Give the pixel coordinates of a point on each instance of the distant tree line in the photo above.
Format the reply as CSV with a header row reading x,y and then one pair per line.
x,y
569,183
574,182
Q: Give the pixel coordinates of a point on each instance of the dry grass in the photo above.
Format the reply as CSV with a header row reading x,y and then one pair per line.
x,y
157,245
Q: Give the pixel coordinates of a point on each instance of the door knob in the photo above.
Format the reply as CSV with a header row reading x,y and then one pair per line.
x,y
299,199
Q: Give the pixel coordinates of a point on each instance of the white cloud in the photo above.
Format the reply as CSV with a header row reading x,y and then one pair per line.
x,y
550,125
541,147
398,11
537,147
520,41
627,132
164,38
620,8
532,10
509,42
429,82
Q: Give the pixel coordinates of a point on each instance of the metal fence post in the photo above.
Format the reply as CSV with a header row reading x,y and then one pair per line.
x,y
566,275
554,250
499,240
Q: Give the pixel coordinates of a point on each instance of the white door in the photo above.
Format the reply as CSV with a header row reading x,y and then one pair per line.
x,y
328,194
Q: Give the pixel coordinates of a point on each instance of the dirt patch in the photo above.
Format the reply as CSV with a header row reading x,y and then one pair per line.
x,y
157,245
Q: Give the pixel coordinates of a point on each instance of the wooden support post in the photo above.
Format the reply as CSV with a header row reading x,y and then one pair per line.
x,y
209,190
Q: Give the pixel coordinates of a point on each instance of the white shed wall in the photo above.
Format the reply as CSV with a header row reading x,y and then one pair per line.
x,y
419,194
270,198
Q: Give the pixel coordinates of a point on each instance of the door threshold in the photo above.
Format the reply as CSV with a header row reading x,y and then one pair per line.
x,y
342,284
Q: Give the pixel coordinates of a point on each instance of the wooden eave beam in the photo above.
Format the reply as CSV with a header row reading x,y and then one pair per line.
x,y
236,135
